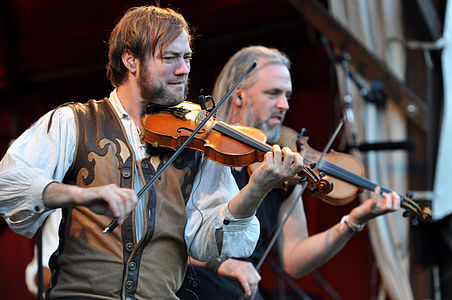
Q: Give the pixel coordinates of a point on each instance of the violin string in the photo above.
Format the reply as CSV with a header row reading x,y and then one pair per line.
x,y
233,133
345,175
352,178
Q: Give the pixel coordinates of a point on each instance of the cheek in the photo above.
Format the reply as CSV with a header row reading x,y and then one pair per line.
x,y
262,112
267,109
169,70
260,109
160,71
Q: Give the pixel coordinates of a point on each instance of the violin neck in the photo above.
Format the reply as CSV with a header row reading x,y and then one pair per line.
x,y
347,176
237,135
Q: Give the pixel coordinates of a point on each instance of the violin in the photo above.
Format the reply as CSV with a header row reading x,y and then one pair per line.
x,y
229,145
343,191
346,173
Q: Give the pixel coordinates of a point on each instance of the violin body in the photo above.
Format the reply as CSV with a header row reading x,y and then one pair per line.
x,y
343,192
170,129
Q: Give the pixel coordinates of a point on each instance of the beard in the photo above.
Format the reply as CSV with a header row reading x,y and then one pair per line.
x,y
158,92
272,132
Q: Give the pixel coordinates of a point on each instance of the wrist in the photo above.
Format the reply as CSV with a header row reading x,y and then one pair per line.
x,y
350,225
57,195
213,265
258,188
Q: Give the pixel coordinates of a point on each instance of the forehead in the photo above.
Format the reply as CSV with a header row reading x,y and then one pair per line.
x,y
180,45
274,76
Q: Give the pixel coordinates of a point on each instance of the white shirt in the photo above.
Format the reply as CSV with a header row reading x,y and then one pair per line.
x,y
38,158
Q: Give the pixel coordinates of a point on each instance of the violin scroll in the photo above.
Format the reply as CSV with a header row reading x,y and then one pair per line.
x,y
416,209
322,185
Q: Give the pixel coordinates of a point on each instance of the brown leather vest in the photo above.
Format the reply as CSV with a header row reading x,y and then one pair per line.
x,y
113,266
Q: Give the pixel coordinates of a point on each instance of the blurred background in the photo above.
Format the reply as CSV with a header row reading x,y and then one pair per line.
x,y
52,52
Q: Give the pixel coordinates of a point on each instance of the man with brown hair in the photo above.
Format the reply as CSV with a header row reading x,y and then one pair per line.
x,y
94,163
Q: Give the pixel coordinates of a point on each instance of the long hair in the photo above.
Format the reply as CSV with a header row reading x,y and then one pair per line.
x,y
237,65
140,31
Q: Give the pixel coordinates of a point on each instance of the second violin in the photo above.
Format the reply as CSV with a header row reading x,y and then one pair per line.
x,y
346,173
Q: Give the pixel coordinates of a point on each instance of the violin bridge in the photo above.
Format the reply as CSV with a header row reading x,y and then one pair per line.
x,y
200,116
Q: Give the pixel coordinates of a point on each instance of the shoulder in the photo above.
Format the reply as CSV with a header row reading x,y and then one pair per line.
x,y
91,104
60,115
69,110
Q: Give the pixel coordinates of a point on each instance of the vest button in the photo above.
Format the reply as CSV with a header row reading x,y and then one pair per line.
x,y
126,173
132,266
129,284
144,165
129,246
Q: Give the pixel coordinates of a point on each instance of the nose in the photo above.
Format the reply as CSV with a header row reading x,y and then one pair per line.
x,y
283,103
183,68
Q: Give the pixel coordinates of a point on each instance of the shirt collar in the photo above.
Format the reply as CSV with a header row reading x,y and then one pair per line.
x,y
117,105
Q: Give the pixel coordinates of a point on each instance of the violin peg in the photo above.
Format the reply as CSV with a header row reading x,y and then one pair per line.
x,y
314,190
426,214
302,132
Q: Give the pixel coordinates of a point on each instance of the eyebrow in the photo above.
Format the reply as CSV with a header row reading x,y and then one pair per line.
x,y
176,53
279,90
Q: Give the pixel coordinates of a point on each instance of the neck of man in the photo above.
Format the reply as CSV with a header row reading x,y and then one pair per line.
x,y
131,101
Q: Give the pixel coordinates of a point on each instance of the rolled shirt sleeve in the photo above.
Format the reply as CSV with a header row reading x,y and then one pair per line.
x,y
207,211
36,159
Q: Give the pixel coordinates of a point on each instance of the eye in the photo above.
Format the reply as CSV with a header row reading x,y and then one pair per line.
x,y
187,58
169,58
273,93
288,96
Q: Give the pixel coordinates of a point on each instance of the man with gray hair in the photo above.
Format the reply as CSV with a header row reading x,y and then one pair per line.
x,y
262,101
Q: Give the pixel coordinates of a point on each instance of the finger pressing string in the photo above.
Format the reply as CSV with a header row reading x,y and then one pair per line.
x,y
389,201
376,194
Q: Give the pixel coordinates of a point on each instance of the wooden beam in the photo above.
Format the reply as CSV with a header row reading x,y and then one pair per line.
x,y
363,61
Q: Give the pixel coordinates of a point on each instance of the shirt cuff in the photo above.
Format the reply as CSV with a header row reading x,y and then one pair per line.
x,y
37,189
227,218
239,235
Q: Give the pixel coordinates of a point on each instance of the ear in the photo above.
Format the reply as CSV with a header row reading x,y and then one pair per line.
x,y
238,98
129,61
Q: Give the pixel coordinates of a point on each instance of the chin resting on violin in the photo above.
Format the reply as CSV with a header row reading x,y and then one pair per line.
x,y
262,101
89,159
